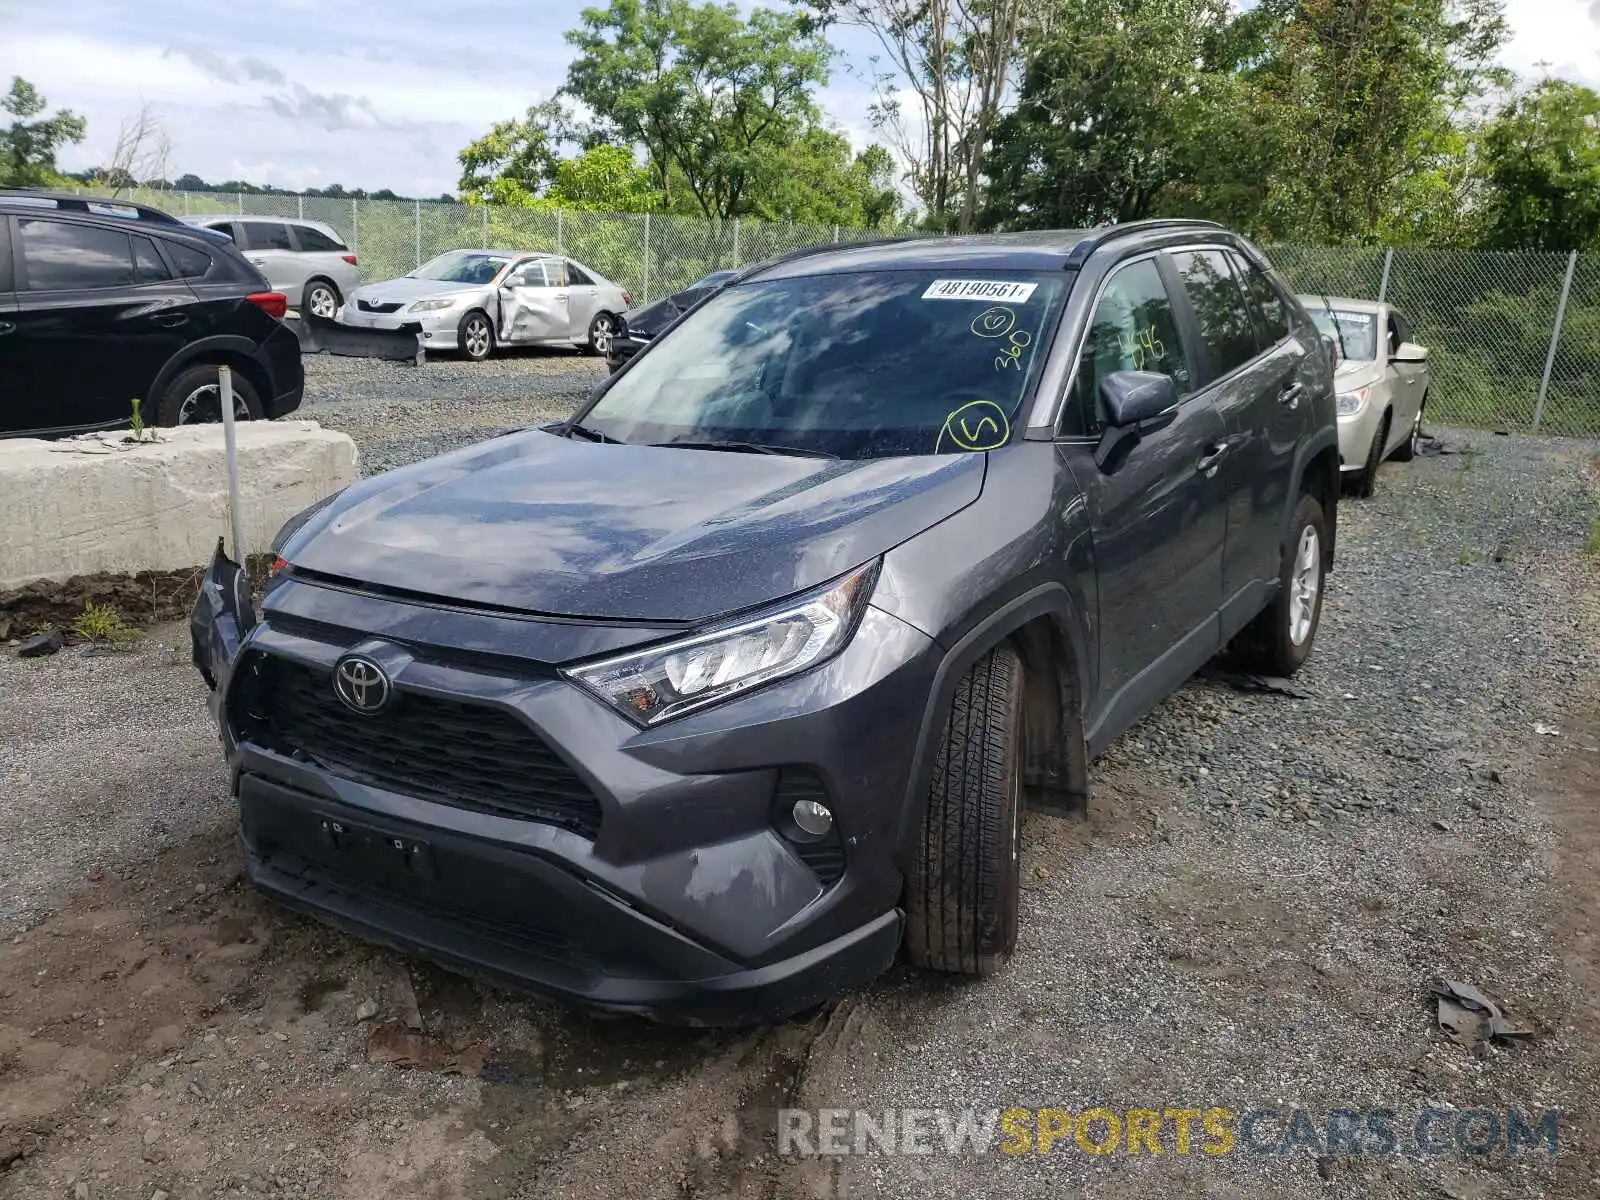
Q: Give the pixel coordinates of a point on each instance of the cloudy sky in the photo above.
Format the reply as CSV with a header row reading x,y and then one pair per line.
x,y
383,93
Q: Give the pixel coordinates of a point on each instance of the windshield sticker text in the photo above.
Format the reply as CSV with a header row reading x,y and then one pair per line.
x,y
1352,318
979,289
980,425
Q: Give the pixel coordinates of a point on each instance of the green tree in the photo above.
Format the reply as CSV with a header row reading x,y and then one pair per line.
x,y
1541,165
603,179
713,97
515,159
28,147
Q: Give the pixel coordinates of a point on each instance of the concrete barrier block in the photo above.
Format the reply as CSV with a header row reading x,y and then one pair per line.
x,y
96,505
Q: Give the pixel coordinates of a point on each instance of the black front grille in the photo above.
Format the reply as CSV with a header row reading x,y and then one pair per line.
x,y
369,306
453,752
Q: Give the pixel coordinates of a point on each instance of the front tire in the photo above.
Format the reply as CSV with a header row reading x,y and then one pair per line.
x,y
601,332
1366,482
194,397
475,335
322,299
962,889
1407,450
1279,640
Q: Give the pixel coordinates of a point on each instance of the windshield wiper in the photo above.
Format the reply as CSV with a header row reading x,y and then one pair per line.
x,y
593,435
749,448
1338,330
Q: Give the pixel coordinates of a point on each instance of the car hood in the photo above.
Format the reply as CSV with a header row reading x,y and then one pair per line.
x,y
393,290
542,524
1349,375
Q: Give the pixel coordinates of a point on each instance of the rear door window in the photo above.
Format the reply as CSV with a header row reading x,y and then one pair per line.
x,y
314,241
265,235
148,266
1268,308
578,277
1226,326
60,256
191,263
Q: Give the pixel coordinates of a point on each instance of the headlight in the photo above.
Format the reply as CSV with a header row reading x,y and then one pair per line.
x,y
430,305
1351,403
655,685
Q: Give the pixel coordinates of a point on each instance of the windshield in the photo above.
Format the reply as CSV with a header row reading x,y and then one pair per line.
x,y
462,266
1357,330
859,366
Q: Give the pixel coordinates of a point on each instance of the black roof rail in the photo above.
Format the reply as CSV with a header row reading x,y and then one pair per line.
x,y
77,202
1081,252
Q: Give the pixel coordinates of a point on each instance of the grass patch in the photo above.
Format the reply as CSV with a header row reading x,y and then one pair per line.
x,y
103,625
1591,541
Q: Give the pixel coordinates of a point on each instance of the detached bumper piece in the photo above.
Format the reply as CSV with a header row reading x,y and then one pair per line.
x,y
519,919
320,335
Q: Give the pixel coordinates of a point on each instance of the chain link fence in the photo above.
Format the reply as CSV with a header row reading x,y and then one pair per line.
x,y
1515,337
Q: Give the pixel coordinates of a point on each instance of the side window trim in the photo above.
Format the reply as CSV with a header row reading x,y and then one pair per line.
x,y
1087,412
8,281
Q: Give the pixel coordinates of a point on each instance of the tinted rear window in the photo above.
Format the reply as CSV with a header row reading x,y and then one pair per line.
x,y
315,241
265,235
1224,318
191,263
61,256
860,366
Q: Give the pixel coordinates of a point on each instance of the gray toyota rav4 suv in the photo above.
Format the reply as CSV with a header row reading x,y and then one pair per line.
x,y
706,702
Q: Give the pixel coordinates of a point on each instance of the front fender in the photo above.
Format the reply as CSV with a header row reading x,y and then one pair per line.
x,y
221,620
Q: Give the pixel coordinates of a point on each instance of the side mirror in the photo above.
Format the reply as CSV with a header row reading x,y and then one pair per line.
x,y
1136,398
1409,352
1331,344
1135,403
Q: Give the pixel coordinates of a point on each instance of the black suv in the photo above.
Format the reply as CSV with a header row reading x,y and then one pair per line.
x,y
103,302
706,702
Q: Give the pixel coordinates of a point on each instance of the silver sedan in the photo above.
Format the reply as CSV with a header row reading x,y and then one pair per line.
x,y
476,300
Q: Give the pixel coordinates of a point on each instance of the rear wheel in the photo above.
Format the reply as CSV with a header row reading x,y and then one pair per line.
x,y
961,891
322,299
475,336
195,398
601,331
1279,640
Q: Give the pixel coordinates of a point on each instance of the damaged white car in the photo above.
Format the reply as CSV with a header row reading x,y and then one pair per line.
x,y
475,301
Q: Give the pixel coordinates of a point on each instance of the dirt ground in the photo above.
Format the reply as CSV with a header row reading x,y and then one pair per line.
x,y
167,1033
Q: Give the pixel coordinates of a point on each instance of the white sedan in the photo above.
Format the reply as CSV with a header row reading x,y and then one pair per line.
x,y
476,300
1382,380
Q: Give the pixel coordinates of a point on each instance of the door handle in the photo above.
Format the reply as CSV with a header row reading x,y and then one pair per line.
x,y
1212,459
6,327
1290,396
169,320
258,262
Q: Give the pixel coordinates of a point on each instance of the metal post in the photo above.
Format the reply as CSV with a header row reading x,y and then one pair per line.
x,y
1555,340
561,232
230,448
186,204
836,235
485,226
736,242
417,204
355,227
300,207
241,201
647,258
1388,265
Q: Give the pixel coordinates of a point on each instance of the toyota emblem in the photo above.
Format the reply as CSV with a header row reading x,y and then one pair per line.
x,y
362,684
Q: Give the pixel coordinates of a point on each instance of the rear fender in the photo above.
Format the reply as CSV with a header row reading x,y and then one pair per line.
x,y
222,619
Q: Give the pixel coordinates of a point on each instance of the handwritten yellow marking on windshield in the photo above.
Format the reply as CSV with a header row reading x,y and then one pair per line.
x,y
1010,358
994,322
979,425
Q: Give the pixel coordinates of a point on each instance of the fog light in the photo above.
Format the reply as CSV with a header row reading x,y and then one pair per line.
x,y
812,818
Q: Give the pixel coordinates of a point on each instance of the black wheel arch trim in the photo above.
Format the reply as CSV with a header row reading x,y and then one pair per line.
x,y
1310,448
1069,788
222,343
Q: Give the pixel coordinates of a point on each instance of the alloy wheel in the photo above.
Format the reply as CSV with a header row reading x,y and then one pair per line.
x,y
1305,583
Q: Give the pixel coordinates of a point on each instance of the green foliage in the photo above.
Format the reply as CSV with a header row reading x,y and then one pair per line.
x,y
29,145
604,179
103,625
1541,158
136,423
515,159
1591,540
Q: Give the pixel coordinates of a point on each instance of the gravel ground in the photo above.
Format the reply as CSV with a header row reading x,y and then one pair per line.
x,y
1249,918
399,413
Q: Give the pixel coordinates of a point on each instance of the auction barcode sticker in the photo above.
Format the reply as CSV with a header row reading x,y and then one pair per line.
x,y
993,290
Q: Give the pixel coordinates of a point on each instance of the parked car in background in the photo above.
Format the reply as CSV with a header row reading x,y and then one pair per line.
x,y
705,701
476,300
1382,379
640,325
103,302
305,260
